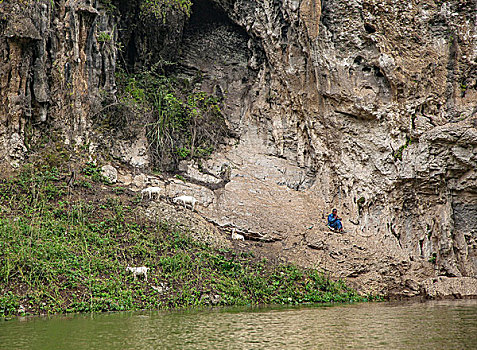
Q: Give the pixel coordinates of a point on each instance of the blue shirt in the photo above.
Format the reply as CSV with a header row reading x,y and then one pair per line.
x,y
331,219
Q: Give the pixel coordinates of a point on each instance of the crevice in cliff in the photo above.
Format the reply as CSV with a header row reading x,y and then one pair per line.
x,y
205,12
451,67
215,56
148,37
369,28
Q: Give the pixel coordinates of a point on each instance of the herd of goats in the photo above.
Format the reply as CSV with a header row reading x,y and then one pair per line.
x,y
184,200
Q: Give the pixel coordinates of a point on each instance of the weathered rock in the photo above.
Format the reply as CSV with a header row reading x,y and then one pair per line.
x,y
52,67
133,152
187,221
110,172
125,179
140,181
176,188
192,171
450,287
371,105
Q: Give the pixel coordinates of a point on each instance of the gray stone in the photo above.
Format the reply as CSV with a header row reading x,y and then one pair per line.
x,y
204,196
110,172
450,287
125,179
140,181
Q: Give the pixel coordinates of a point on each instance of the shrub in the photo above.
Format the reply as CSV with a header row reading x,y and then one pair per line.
x,y
159,8
183,124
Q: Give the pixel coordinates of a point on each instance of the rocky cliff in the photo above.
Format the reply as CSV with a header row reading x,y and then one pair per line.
x,y
367,106
58,57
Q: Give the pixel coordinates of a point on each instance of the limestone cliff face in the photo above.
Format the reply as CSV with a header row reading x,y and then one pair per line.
x,y
56,59
367,106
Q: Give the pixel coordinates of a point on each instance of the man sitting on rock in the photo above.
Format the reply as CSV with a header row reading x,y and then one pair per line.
x,y
334,222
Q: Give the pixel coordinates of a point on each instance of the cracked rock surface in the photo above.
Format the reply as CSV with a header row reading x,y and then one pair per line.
x,y
366,106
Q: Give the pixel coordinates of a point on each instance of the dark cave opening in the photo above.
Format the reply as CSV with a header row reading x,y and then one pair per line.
x,y
205,15
205,12
369,28
210,35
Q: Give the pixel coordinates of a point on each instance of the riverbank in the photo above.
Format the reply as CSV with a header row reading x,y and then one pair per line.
x,y
65,243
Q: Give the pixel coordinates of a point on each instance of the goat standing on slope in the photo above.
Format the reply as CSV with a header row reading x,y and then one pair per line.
x,y
186,200
138,271
150,191
237,236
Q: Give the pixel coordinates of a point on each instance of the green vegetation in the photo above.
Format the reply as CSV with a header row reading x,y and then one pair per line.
x,y
398,154
180,177
181,121
104,37
159,8
93,171
463,88
67,251
433,258
109,6
184,123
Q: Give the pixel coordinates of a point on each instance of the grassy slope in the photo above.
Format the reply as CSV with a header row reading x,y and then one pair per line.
x,y
66,251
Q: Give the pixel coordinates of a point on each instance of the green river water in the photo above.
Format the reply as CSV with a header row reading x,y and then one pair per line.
x,y
429,325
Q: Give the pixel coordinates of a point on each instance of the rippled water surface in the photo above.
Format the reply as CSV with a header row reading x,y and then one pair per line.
x,y
430,325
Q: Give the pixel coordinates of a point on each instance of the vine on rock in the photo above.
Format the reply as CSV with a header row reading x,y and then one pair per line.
x,y
159,8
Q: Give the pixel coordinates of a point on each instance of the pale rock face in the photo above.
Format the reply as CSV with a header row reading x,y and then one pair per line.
x,y
191,170
133,152
125,179
140,181
364,106
110,172
445,287
204,196
16,149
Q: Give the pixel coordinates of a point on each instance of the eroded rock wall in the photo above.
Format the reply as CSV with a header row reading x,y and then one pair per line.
x,y
374,105
407,106
57,59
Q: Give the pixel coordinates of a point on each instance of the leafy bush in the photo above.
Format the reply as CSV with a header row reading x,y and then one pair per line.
x,y
93,171
183,124
104,37
159,8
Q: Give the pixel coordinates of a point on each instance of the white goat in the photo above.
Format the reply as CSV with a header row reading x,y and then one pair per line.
x,y
150,191
237,236
138,271
186,200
